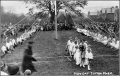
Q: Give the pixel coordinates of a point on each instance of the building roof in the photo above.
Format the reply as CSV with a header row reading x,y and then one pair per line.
x,y
109,10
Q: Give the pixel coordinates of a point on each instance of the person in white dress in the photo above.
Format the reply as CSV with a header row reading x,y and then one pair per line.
x,y
77,55
70,45
75,44
88,56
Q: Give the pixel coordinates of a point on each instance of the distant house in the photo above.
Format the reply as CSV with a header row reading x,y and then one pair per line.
x,y
110,14
106,14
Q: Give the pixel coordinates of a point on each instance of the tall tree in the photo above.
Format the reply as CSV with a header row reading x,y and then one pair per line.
x,y
48,6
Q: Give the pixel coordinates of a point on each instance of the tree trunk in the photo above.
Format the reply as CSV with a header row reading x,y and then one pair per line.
x,y
52,18
52,13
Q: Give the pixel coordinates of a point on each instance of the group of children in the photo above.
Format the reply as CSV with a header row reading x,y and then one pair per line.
x,y
80,51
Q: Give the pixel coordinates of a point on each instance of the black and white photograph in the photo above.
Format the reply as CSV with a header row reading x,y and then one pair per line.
x,y
59,37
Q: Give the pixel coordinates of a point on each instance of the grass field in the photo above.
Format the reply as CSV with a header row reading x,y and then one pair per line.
x,y
50,55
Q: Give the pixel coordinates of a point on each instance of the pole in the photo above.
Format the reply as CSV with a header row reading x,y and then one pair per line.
x,y
56,35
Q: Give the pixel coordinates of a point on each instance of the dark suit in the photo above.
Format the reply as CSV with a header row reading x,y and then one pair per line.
x,y
27,60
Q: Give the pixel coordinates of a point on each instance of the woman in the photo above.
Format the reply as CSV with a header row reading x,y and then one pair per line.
x,y
71,45
27,63
88,57
75,44
77,55
68,44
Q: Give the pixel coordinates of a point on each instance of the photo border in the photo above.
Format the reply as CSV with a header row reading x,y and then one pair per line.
x,y
72,0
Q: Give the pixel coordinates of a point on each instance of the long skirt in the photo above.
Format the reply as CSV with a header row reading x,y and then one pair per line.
x,y
88,56
73,51
77,57
70,50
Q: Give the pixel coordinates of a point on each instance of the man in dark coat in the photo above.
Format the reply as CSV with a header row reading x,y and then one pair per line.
x,y
27,63
27,59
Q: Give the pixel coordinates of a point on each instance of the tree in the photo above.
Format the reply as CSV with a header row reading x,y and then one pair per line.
x,y
48,6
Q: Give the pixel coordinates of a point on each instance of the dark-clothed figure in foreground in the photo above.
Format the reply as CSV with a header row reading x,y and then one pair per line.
x,y
27,60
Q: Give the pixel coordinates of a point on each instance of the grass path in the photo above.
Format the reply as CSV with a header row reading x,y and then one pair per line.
x,y
46,46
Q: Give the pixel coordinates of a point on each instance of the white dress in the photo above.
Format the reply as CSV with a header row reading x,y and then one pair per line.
x,y
77,56
74,49
88,55
71,46
68,43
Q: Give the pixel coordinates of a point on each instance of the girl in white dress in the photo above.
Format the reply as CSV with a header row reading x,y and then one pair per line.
x,y
88,57
75,44
88,53
68,45
71,45
77,55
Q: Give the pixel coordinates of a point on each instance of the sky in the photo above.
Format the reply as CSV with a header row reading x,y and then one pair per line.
x,y
19,7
